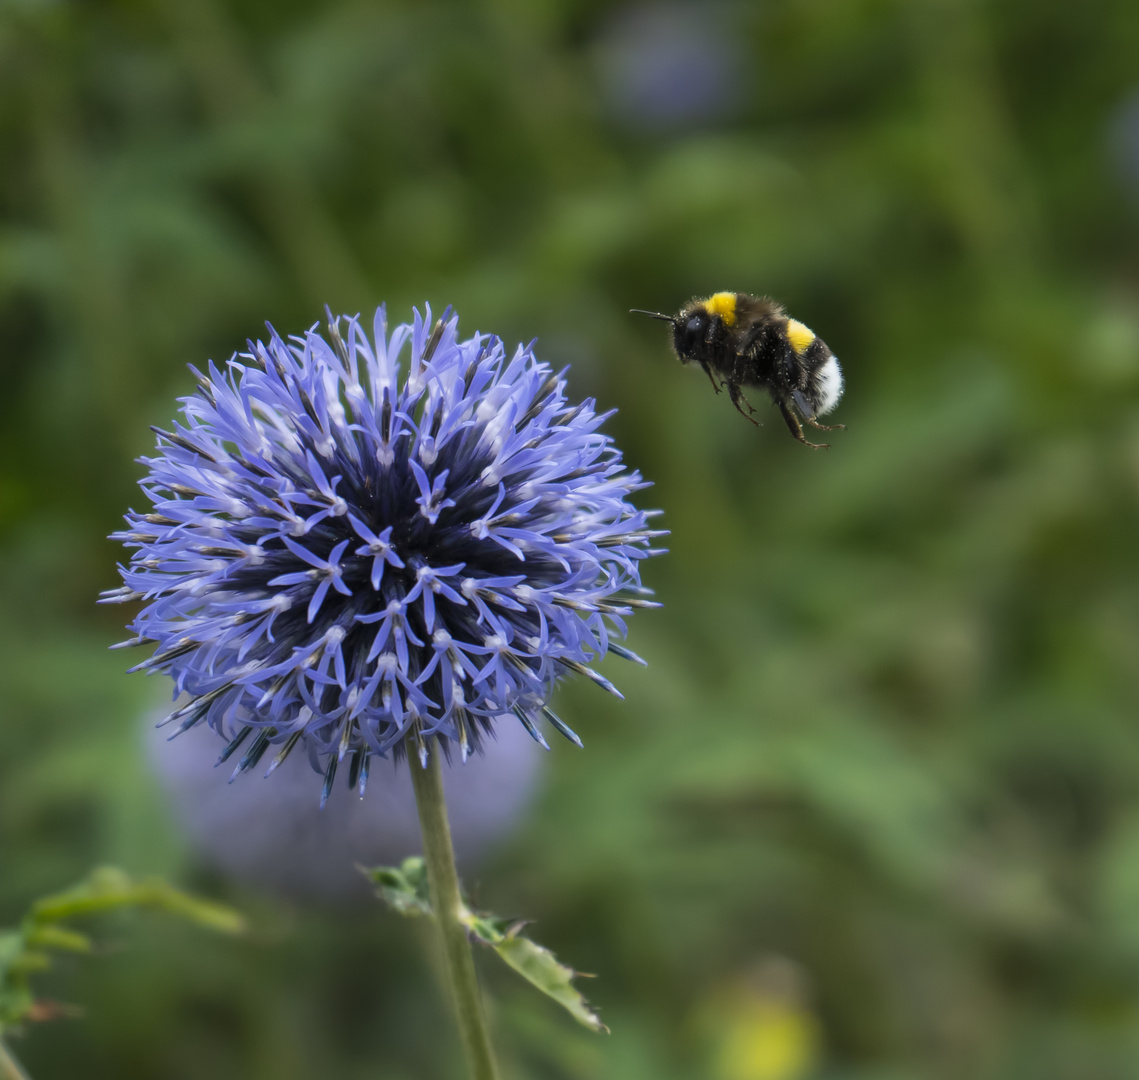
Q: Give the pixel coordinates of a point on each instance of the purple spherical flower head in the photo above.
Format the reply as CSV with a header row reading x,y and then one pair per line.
x,y
358,561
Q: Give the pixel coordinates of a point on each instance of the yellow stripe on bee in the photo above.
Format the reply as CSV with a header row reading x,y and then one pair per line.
x,y
724,305
799,335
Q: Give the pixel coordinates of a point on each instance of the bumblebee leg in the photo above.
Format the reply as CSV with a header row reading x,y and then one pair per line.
x,y
711,377
824,427
739,401
796,430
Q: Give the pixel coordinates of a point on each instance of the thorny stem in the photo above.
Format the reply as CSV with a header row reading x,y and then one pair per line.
x,y
10,1068
443,881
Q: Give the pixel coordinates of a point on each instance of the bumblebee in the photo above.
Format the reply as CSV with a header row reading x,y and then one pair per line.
x,y
741,340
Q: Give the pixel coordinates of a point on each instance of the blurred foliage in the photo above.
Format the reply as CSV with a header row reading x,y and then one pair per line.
x,y
888,732
27,949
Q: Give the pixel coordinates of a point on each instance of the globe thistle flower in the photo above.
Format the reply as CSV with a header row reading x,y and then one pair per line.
x,y
364,563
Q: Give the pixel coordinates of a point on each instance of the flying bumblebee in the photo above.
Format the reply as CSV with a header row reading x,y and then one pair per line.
x,y
741,340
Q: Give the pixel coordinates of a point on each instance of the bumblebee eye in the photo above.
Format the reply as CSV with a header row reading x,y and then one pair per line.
x,y
693,332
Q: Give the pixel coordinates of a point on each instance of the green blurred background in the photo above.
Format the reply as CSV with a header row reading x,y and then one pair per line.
x,y
872,812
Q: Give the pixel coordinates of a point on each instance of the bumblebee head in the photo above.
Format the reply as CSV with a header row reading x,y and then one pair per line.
x,y
690,332
689,329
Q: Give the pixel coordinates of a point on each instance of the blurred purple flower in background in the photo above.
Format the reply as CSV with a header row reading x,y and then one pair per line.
x,y
267,835
1123,141
354,561
671,65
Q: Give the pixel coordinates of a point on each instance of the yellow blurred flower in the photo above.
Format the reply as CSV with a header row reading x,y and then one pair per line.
x,y
761,1027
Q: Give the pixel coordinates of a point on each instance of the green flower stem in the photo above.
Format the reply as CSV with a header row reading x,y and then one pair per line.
x,y
443,881
10,1068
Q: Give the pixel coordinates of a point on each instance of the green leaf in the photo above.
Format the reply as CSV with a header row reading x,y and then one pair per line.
x,y
58,937
28,948
404,888
537,965
107,888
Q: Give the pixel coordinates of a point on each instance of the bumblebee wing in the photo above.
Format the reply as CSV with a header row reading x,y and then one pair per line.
x,y
750,339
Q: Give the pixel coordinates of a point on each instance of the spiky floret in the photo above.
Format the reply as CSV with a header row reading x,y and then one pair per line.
x,y
363,563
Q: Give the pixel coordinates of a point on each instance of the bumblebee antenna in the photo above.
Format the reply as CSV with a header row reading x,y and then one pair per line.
x,y
651,314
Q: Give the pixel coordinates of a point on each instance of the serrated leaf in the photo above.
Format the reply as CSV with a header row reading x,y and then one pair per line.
x,y
27,949
540,967
404,888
